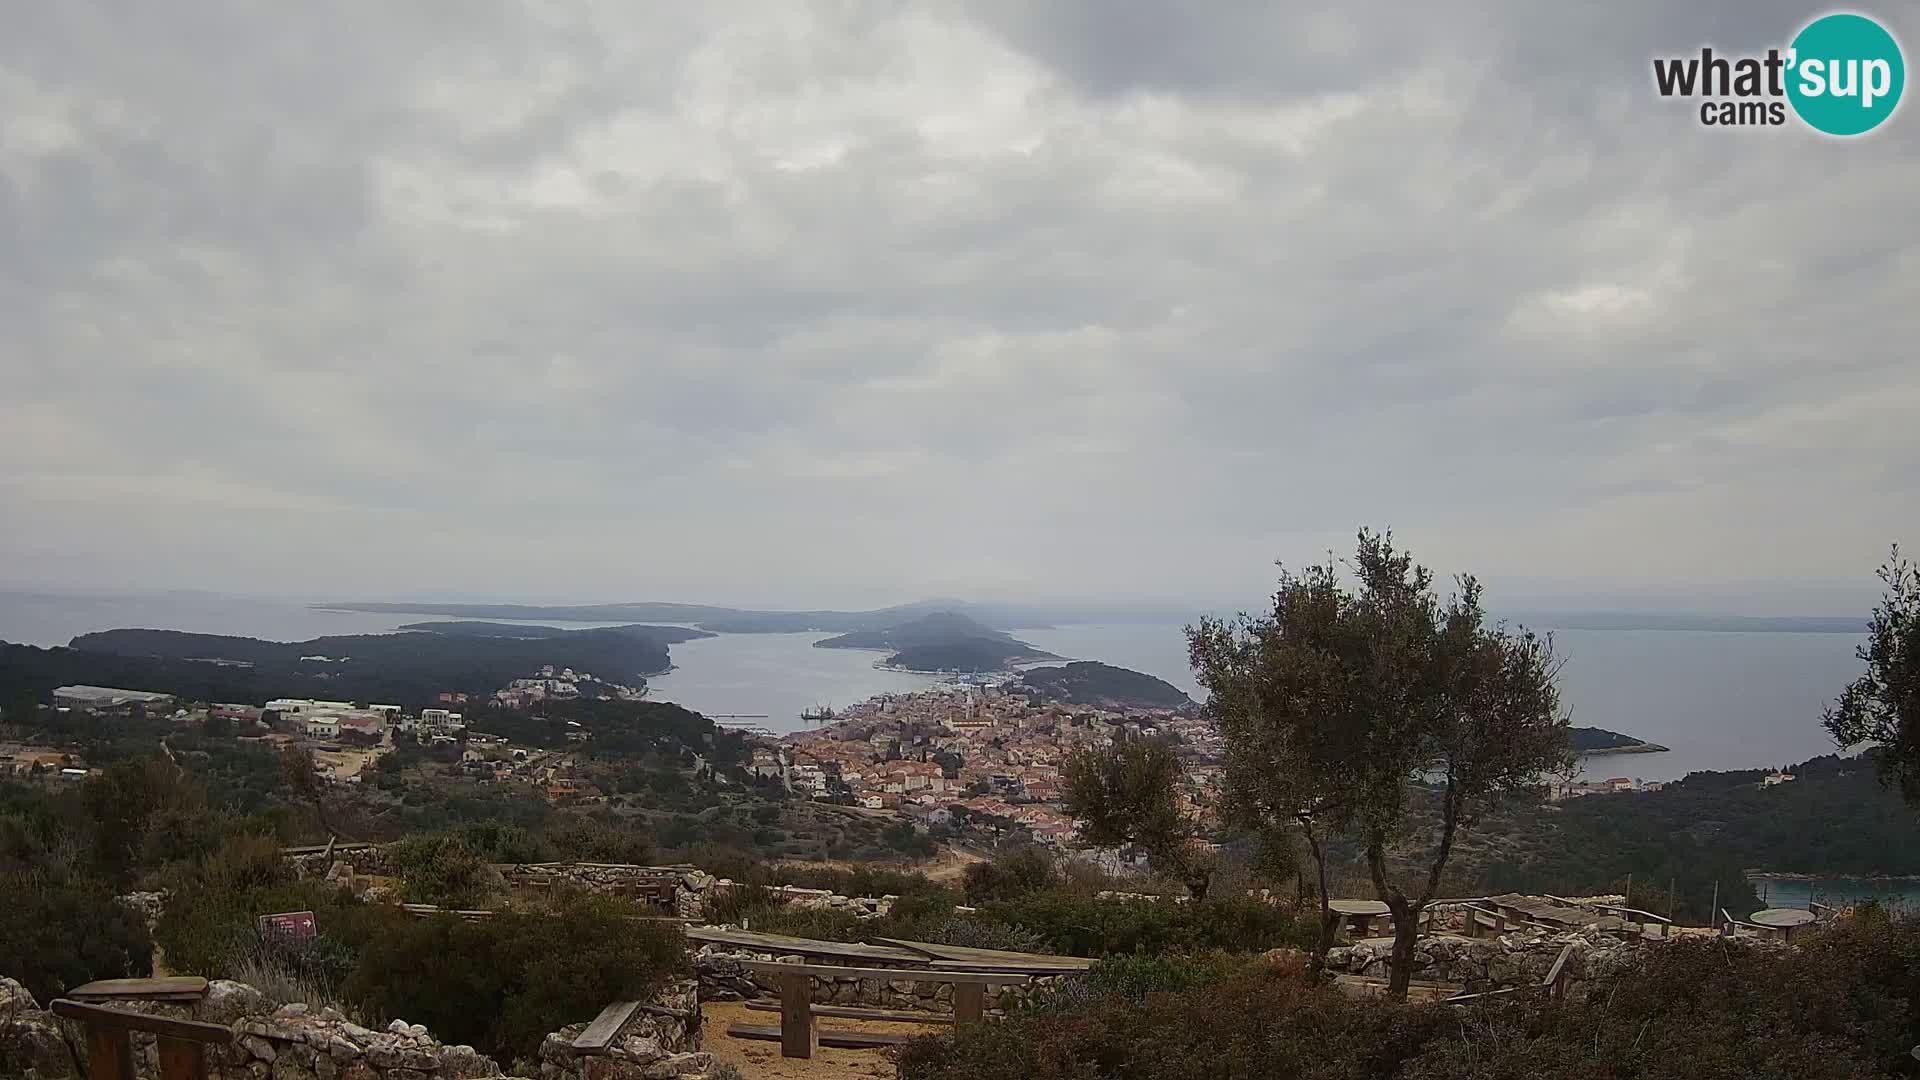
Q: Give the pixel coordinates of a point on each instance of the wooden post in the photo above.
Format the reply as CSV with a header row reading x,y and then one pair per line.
x,y
1715,909
182,1059
1628,902
969,1003
109,1054
797,1036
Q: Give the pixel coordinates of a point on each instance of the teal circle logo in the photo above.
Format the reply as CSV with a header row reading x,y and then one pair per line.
x,y
1845,74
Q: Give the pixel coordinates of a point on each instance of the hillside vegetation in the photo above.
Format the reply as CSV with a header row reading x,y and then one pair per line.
x,y
1088,682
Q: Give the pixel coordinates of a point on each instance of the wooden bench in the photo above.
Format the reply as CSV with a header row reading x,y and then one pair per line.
x,y
797,1033
851,1012
182,1043
172,988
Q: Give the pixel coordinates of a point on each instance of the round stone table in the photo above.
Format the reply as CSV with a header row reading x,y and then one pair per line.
x,y
1783,919
1359,914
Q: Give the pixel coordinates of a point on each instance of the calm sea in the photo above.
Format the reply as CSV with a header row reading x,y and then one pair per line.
x,y
1718,700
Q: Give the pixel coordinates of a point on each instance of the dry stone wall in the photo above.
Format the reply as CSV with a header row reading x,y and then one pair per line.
x,y
301,1042
1517,959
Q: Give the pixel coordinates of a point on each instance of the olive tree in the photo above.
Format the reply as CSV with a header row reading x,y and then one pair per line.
x,y
1882,706
1285,753
1384,711
1129,793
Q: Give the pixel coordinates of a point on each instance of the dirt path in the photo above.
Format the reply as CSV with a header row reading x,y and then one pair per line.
x,y
952,862
760,1060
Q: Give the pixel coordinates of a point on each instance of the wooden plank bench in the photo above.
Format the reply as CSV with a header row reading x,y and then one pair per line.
x,y
851,1012
798,1033
182,1044
599,1034
841,1040
171,988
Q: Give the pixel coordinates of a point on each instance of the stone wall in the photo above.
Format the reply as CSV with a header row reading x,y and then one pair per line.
x,y
300,1042
689,884
659,1042
362,858
1518,959
724,977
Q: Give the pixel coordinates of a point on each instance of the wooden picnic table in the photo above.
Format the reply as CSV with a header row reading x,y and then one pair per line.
x,y
1539,909
1783,919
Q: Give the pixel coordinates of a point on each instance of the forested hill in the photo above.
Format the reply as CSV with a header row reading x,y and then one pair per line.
x,y
1087,682
1834,819
1593,740
408,669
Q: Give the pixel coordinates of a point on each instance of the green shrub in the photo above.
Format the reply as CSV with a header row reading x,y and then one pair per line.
x,y
1011,876
1839,1008
59,932
501,984
1082,926
441,869
1134,977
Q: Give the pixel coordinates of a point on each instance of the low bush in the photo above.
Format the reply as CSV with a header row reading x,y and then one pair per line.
x,y
1840,1007
59,932
1010,876
501,984
1132,978
439,868
1077,925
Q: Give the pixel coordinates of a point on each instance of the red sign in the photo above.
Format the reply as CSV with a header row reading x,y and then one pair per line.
x,y
292,925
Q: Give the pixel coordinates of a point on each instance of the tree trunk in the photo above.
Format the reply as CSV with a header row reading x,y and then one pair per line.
x,y
1406,934
1406,922
1329,922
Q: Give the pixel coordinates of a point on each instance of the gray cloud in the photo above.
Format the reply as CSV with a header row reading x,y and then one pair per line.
x,y
777,304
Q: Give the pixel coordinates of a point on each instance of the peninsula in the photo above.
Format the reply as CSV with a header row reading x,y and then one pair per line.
x,y
1593,741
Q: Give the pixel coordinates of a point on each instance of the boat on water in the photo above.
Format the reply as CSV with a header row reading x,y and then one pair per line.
x,y
819,714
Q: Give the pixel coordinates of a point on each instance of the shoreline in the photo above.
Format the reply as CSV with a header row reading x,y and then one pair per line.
x,y
1781,875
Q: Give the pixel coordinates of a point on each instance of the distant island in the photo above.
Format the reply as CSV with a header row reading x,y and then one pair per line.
x,y
1088,682
1593,741
723,620
671,635
409,668
940,643
1720,624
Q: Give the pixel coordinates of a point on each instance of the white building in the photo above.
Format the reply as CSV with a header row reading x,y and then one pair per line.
x,y
439,721
303,706
107,697
323,726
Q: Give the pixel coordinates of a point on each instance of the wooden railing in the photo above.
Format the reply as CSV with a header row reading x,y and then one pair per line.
x,y
182,1043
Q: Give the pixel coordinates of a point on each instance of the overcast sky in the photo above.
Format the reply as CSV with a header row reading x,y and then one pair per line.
x,y
849,303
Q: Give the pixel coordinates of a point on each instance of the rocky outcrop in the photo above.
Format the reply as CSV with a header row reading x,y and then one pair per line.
x,y
296,1042
33,1043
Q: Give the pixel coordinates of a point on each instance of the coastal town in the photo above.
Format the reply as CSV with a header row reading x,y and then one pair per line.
x,y
983,752
988,753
